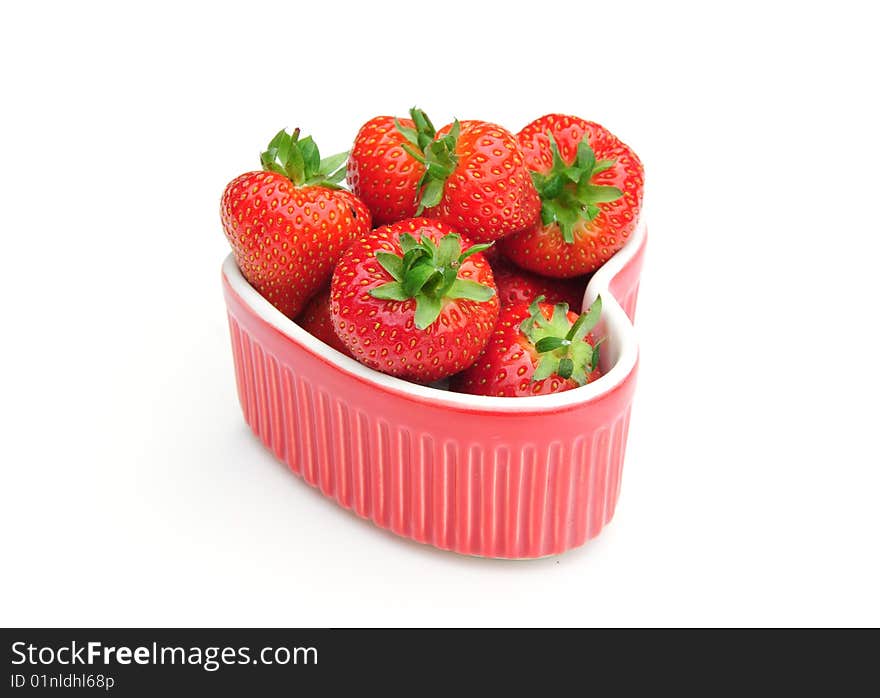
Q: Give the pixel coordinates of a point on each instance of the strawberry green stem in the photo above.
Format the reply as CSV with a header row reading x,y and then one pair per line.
x,y
299,160
428,272
567,196
436,155
561,343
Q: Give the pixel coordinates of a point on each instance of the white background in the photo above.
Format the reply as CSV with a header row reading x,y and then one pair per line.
x,y
132,492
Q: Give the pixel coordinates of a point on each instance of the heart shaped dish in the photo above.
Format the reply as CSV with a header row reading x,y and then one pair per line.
x,y
490,476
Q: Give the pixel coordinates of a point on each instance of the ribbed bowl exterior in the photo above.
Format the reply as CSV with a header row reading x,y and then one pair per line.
x,y
504,484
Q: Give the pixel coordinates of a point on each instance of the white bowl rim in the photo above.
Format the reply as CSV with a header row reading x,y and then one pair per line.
x,y
618,327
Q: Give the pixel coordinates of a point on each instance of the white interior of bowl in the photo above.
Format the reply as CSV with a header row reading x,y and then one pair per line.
x,y
619,351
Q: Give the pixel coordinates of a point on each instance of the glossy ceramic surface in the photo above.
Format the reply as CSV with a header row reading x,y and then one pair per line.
x,y
497,477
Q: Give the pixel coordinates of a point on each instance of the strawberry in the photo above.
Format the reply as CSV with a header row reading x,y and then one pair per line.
x,y
288,224
414,299
470,174
382,173
488,192
591,187
536,349
518,286
316,320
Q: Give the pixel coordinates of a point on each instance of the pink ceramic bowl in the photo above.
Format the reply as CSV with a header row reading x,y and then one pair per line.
x,y
497,477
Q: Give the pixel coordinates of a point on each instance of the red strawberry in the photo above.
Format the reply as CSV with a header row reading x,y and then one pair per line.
x,y
591,188
470,174
536,349
288,224
488,193
518,286
316,320
406,300
382,173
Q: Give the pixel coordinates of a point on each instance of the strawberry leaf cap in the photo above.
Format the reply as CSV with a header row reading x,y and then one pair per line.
x,y
299,160
428,272
561,342
567,196
437,155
